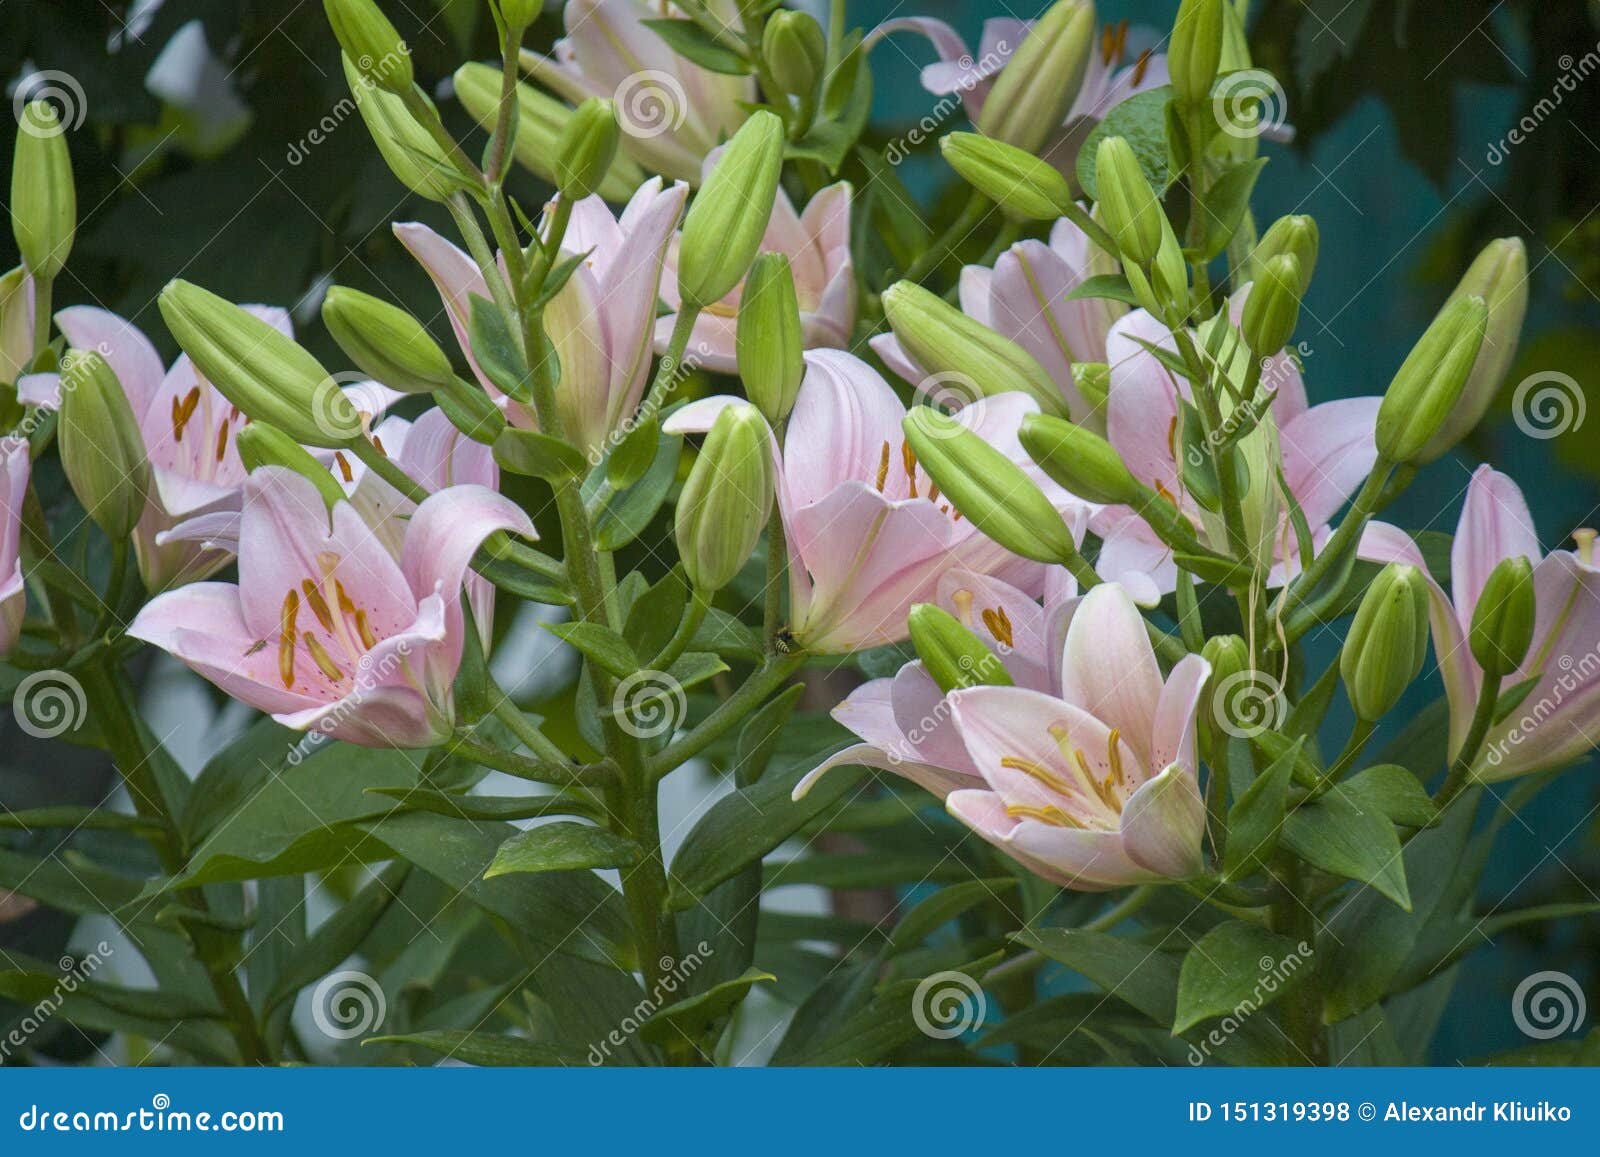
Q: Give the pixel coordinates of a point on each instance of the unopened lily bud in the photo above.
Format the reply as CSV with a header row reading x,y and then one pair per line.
x,y
1079,460
770,342
1273,307
1128,204
1093,380
385,341
1195,50
1388,641
1026,187
1036,88
263,445
1499,275
1229,656
1295,234
101,449
727,499
520,13
471,411
541,121
1502,620
44,201
944,341
726,222
1429,383
586,149
258,369
953,656
987,487
795,50
1169,274
371,43
16,324
410,151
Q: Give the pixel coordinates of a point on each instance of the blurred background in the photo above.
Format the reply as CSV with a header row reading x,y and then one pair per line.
x,y
213,145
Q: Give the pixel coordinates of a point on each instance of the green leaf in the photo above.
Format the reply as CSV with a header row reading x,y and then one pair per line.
x,y
77,819
760,735
654,616
498,353
867,869
339,936
1256,819
742,827
570,912
68,882
1391,791
846,104
1225,204
491,807
600,645
485,1049
695,667
1142,119
1112,286
693,42
942,907
538,455
694,1016
723,634
1236,966
563,846
1338,837
626,515
1132,972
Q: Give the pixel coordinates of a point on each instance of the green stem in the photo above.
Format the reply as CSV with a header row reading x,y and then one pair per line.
x,y
1360,732
1344,539
506,710
668,369
1300,1010
1482,720
500,139
777,566
565,774
731,712
478,245
947,242
693,615
43,288
425,115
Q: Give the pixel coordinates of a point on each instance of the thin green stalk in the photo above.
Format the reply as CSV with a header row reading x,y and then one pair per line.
x,y
1360,733
43,288
500,139
1300,1010
478,245
1482,720
668,369
425,115
564,774
777,567
947,242
693,615
506,710
732,711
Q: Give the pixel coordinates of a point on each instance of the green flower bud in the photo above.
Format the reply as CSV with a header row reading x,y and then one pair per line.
x,y
987,487
587,147
1036,88
953,656
770,343
101,449
263,445
1229,656
1128,204
520,13
947,343
541,121
1026,187
795,50
1387,642
727,499
1296,234
471,411
16,325
385,342
371,43
409,149
1273,307
1499,275
1195,50
1093,380
44,201
726,222
1080,461
1169,276
1429,383
1502,621
258,369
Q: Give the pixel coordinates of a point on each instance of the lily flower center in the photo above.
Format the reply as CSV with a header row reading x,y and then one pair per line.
x,y
344,634
1088,800
897,470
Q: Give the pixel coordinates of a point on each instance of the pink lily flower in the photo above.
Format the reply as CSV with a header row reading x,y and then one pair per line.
x,y
16,465
1558,718
1327,451
188,429
817,244
1024,298
600,323
325,629
868,532
672,112
1085,774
